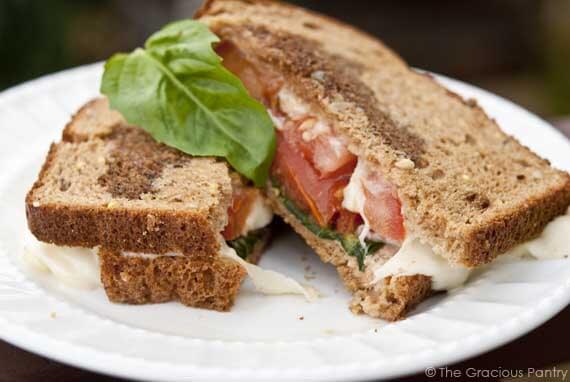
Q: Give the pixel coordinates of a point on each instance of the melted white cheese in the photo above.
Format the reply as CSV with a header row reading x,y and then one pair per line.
x,y
79,268
150,255
258,217
75,267
554,242
417,258
267,281
354,198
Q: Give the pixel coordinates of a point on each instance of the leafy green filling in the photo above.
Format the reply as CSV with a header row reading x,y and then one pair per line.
x,y
244,245
350,242
177,89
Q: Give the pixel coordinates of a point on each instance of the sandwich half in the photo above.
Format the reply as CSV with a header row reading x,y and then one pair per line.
x,y
373,157
161,219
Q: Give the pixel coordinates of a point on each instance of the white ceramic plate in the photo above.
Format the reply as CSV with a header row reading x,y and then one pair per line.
x,y
263,337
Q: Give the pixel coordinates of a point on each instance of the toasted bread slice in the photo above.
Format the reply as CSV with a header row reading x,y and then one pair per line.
x,y
111,185
471,192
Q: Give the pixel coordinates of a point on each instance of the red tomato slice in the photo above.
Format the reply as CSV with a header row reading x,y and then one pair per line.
x,y
242,201
326,153
312,172
302,182
383,210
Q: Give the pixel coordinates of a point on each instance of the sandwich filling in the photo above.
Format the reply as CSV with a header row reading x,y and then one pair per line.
x,y
335,194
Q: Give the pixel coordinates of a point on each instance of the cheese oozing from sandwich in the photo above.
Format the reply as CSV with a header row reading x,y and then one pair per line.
x,y
79,267
72,266
259,216
366,194
414,257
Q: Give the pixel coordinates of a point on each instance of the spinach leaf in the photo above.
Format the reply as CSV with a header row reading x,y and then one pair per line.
x,y
244,245
350,242
177,89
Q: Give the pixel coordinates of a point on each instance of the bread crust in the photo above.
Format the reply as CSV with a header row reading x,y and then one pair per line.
x,y
473,193
149,231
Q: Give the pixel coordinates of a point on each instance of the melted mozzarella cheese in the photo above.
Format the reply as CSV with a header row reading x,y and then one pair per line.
x,y
354,198
79,268
417,258
554,242
75,267
259,216
267,281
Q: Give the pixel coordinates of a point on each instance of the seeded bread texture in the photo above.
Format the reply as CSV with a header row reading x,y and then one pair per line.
x,y
472,193
391,299
110,184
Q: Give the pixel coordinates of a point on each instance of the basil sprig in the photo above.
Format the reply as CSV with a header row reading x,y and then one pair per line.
x,y
177,89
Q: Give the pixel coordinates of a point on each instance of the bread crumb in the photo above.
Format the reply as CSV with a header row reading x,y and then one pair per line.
x,y
36,203
537,174
79,165
101,159
112,204
465,177
405,164
52,315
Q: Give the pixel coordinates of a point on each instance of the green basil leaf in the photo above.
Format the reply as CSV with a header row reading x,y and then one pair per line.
x,y
177,89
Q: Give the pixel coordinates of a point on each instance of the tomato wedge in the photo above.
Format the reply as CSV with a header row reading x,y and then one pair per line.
x,y
321,195
242,201
383,209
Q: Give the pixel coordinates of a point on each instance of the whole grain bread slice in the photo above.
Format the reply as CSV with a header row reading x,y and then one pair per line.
x,y
198,282
110,184
472,192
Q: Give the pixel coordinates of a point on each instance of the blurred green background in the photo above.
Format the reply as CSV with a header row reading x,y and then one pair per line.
x,y
517,48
